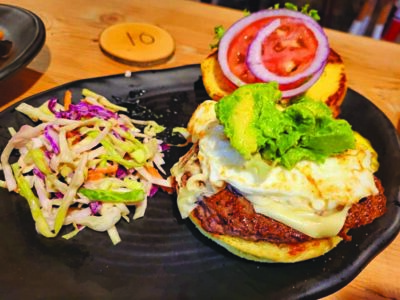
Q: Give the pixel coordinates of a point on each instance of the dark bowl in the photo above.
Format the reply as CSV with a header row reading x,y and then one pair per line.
x,y
27,33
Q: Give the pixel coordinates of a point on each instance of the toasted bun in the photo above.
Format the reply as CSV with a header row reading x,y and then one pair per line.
x,y
263,251
330,88
214,80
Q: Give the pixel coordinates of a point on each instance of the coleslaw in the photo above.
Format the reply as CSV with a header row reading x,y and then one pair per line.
x,y
84,164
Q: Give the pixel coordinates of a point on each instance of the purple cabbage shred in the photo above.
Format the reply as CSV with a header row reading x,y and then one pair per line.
x,y
86,110
38,173
52,105
117,135
153,190
124,127
51,140
121,172
59,195
165,147
95,207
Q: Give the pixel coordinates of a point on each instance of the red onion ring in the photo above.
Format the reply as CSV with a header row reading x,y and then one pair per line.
x,y
254,56
231,33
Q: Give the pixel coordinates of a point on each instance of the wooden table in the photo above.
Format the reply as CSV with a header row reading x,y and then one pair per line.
x,y
72,52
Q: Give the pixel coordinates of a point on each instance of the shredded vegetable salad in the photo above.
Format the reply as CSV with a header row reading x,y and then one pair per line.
x,y
84,164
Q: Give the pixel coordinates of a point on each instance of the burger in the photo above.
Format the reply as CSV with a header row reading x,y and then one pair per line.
x,y
273,181
273,174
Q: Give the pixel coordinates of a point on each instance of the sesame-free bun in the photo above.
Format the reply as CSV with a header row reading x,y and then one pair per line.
x,y
214,80
268,252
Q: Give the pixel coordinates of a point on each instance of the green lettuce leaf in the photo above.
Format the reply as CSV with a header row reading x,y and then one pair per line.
x,y
136,195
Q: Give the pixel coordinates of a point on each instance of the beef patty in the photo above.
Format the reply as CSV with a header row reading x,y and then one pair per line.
x,y
231,214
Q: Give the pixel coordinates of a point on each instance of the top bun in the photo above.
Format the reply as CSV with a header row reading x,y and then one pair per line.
x,y
330,88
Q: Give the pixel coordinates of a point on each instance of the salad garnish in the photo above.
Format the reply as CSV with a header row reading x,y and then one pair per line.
x,y
84,164
305,9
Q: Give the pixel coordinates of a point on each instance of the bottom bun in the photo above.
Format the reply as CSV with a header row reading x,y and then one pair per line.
x,y
263,251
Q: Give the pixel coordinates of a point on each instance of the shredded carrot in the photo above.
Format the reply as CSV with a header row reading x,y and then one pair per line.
x,y
74,136
153,171
1,35
99,173
92,175
67,99
109,170
71,134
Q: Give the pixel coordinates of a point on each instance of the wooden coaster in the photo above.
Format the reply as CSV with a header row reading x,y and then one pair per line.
x,y
137,44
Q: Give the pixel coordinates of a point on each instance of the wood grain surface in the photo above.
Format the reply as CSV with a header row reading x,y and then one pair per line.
x,y
72,52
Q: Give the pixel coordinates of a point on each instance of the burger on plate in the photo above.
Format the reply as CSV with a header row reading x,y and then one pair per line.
x,y
276,182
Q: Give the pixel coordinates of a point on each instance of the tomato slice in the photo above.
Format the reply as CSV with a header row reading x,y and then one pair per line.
x,y
281,45
238,49
289,50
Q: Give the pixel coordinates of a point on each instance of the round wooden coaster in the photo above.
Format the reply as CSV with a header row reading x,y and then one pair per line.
x,y
138,44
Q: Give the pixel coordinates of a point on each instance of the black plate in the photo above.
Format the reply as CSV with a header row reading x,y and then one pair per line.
x,y
27,33
162,256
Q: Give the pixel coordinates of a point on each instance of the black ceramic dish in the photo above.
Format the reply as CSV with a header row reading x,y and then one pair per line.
x,y
162,256
27,33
